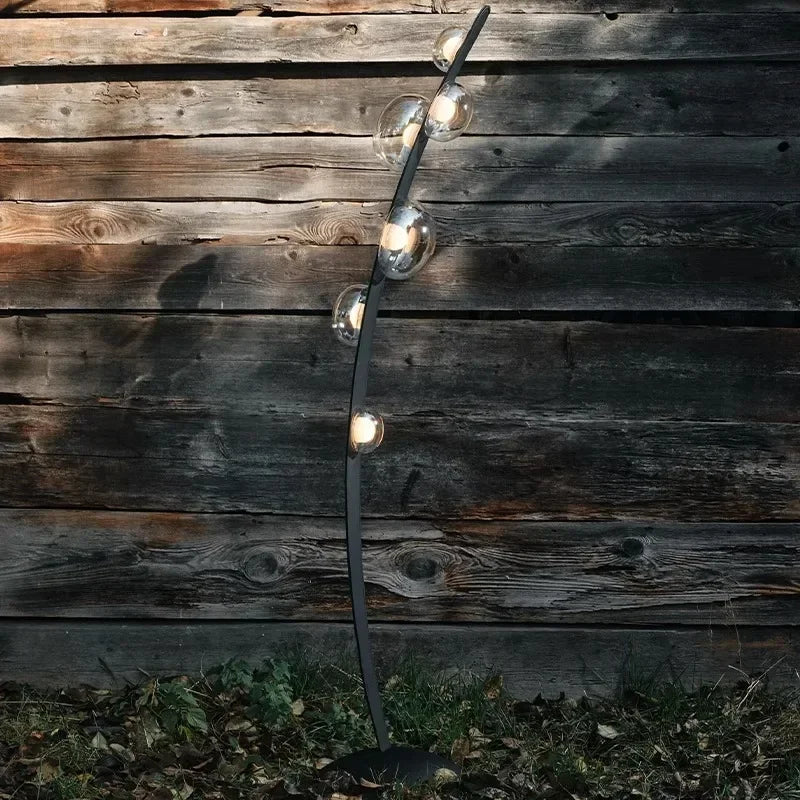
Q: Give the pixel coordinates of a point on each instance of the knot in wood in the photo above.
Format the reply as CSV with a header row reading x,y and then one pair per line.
x,y
261,567
421,568
632,547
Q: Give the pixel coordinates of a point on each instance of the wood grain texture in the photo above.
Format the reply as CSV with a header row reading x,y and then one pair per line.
x,y
206,566
532,660
631,98
396,38
325,223
635,484
23,7
469,169
470,369
303,278
431,465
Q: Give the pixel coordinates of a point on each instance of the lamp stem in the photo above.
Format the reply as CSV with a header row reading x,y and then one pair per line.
x,y
358,392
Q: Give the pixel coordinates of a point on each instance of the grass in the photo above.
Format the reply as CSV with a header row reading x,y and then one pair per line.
x,y
263,731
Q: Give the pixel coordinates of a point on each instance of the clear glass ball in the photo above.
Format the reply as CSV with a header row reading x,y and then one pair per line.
x,y
366,432
449,114
348,312
407,242
397,129
446,46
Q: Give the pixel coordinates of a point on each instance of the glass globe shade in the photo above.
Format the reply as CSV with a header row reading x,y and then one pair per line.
x,y
348,311
446,46
366,432
407,242
397,129
449,114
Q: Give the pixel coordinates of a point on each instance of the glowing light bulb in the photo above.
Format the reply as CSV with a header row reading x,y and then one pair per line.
x,y
356,315
398,126
348,313
449,114
451,48
443,110
407,241
410,134
447,46
396,237
366,432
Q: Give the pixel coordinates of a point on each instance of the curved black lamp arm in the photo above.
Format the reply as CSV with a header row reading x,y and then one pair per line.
x,y
357,396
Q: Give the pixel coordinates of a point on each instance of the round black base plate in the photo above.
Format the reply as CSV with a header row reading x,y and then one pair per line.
x,y
404,764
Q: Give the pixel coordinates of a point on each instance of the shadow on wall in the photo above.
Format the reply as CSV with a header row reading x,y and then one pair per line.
x,y
213,415
9,7
188,285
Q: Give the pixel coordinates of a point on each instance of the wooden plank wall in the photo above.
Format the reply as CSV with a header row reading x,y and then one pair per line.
x,y
592,460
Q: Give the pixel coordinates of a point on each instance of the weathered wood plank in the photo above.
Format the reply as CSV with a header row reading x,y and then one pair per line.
x,y
431,465
532,660
474,168
511,370
396,38
630,98
196,566
142,277
387,6
232,222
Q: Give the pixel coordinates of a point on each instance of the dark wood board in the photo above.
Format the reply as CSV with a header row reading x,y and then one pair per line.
x,y
305,278
561,99
430,465
334,222
532,660
476,369
23,7
468,169
566,501
380,38
82,564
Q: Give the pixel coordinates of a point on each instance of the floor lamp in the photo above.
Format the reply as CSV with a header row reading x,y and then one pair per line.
x,y
406,244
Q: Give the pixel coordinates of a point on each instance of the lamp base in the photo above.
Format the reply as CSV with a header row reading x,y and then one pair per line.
x,y
404,764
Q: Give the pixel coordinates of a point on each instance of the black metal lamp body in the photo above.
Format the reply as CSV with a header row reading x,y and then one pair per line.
x,y
386,762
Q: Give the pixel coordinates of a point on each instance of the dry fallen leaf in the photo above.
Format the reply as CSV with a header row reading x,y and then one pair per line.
x,y
393,681
184,793
48,771
444,775
123,752
239,724
460,749
99,742
477,738
493,687
607,731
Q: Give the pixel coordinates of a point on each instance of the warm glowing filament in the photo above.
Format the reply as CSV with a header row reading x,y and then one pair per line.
x,y
356,315
451,46
364,429
443,109
410,134
395,237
